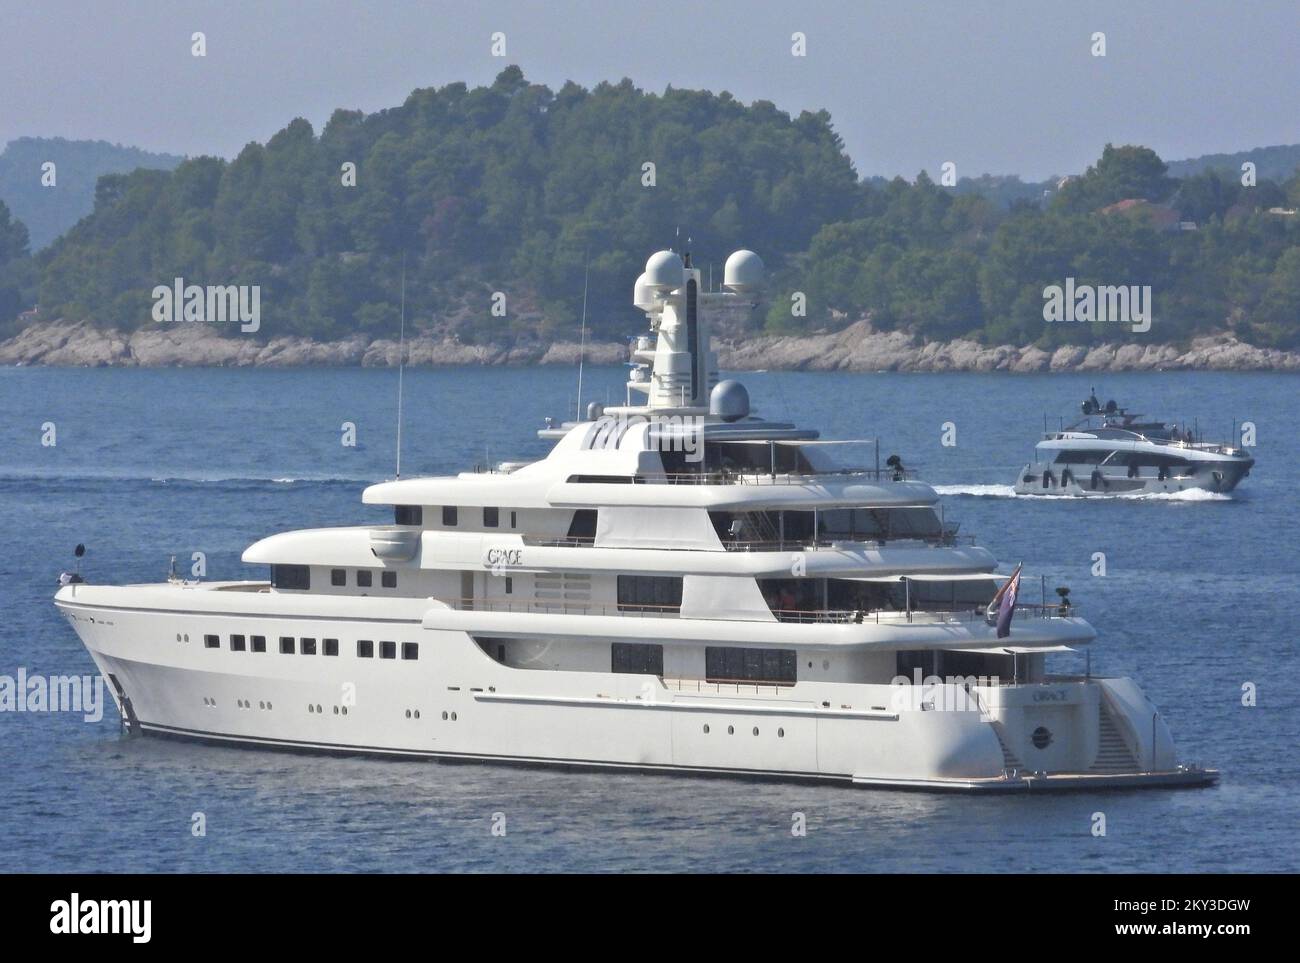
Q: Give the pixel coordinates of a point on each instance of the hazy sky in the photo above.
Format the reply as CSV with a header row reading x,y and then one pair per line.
x,y
1002,87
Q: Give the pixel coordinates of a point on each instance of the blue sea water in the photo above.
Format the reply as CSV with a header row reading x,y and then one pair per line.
x,y
1199,599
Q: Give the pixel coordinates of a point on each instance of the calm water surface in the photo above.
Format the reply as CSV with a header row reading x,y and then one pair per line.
x,y
1199,598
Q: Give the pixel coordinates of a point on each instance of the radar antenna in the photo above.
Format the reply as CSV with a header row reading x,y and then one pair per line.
x,y
401,364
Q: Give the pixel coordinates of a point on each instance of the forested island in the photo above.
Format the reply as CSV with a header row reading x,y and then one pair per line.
x,y
505,196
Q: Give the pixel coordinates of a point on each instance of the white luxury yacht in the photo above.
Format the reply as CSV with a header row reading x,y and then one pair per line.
x,y
679,585
1110,451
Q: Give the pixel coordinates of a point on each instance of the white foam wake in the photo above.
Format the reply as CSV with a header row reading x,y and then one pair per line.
x,y
1008,491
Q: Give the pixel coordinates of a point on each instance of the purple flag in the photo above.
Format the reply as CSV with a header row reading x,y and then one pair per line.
x,y
1007,605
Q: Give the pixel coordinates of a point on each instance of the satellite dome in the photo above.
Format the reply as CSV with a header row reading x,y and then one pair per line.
x,y
664,271
743,272
729,400
643,293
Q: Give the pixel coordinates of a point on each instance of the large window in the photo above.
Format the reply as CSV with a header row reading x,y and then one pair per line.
x,y
408,514
449,515
735,664
649,593
291,576
491,517
637,658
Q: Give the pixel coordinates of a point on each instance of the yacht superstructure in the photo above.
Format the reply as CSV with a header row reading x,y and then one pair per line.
x,y
678,585
1110,451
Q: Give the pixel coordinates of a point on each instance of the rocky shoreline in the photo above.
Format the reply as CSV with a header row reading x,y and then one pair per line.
x,y
856,348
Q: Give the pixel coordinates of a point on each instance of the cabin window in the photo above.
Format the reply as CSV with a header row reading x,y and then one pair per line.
x,y
637,658
331,646
388,650
365,649
583,525
388,579
363,578
510,584
449,515
236,643
735,664
338,576
286,645
408,515
512,520
649,593
291,577
410,651
491,517
259,643
212,641
909,663
308,647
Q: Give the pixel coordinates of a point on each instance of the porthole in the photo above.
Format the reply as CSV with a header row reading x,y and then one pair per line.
x,y
345,710
268,705
731,730
755,730
187,636
417,713
706,728
336,710
444,717
408,713
310,707
780,733
453,717
319,709
261,705
178,636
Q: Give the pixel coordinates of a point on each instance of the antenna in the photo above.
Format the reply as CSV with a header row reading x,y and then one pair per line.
x,y
582,344
401,364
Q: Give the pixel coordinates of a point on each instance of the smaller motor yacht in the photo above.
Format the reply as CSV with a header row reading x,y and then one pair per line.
x,y
1112,451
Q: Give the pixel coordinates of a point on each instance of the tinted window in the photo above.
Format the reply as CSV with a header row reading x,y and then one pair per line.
x,y
331,646
286,645
389,579
291,576
365,649
388,650
363,578
491,517
212,641
735,664
259,643
236,643
449,515
308,646
650,593
408,514
642,659
338,576
410,650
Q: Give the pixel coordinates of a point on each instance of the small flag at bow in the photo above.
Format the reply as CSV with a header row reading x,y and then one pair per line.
x,y
1003,605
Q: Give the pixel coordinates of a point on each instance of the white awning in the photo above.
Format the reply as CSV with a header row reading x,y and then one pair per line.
x,y
1015,649
779,441
953,577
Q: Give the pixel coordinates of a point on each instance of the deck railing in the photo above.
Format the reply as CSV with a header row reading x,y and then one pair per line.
x,y
809,616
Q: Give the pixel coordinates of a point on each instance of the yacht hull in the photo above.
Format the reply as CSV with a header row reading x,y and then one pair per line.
x,y
1079,481
455,702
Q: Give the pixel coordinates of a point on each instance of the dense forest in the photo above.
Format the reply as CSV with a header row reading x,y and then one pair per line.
x,y
517,188
50,203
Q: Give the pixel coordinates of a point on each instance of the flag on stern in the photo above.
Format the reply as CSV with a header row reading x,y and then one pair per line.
x,y
1003,604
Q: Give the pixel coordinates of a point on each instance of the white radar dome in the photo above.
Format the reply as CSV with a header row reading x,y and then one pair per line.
x,y
643,293
744,271
664,271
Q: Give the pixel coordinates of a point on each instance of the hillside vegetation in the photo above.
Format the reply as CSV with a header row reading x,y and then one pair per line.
x,y
515,187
